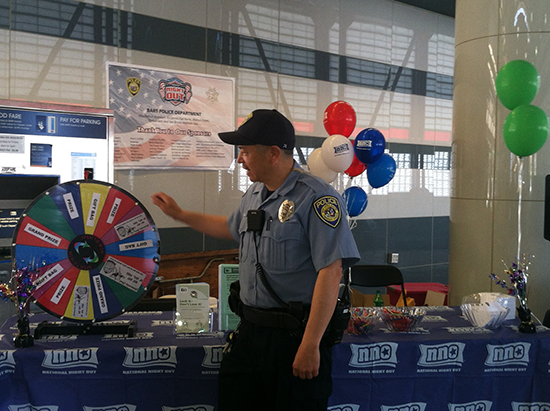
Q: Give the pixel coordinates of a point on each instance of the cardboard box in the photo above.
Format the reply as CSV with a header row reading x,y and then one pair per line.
x,y
358,299
434,298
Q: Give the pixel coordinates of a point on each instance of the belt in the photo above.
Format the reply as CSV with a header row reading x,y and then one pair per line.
x,y
271,318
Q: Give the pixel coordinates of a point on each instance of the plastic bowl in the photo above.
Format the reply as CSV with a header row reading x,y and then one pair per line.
x,y
401,319
485,315
362,320
505,300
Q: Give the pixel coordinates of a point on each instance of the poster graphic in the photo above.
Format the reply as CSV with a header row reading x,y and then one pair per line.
x,y
166,119
41,155
55,139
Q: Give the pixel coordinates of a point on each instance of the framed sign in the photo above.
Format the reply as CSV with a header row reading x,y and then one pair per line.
x,y
166,119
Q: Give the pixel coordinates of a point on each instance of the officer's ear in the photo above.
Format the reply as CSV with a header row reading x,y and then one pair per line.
x,y
274,152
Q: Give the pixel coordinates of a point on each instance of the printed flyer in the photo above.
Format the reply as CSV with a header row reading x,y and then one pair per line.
x,y
192,308
166,119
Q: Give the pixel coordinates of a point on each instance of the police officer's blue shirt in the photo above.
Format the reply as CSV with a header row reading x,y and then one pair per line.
x,y
305,230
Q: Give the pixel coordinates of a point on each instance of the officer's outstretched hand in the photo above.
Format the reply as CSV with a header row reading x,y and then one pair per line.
x,y
167,204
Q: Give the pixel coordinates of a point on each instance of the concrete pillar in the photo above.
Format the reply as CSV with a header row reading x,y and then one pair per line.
x,y
488,208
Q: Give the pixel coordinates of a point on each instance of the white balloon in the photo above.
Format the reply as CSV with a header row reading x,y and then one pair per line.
x,y
318,168
337,152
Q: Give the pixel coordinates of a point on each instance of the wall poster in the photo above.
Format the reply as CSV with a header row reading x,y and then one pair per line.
x,y
166,119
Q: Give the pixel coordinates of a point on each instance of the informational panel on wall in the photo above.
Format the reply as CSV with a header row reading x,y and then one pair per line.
x,y
166,119
55,139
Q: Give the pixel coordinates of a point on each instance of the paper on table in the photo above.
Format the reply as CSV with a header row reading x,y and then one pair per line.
x,y
505,300
486,314
192,308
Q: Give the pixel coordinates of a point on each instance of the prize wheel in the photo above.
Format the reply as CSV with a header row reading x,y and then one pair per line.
x,y
94,247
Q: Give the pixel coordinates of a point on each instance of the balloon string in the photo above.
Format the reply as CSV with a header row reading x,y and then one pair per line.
x,y
520,189
350,181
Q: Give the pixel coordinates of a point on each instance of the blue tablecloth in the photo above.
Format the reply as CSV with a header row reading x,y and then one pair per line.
x,y
445,365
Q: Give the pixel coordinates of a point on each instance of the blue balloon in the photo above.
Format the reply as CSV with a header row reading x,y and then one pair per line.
x,y
381,171
369,145
356,200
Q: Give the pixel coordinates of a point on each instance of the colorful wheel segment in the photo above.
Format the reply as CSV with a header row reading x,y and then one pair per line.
x,y
93,246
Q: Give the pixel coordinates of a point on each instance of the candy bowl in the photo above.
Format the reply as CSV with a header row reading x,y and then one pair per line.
x,y
485,315
362,319
401,319
508,301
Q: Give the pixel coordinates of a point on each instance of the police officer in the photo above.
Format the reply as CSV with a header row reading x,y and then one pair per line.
x,y
294,244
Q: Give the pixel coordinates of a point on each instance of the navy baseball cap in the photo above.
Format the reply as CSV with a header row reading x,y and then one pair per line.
x,y
265,127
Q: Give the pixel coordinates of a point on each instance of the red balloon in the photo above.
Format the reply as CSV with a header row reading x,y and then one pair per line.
x,y
339,118
356,168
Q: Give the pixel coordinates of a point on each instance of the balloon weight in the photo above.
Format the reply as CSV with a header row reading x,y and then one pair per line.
x,y
339,118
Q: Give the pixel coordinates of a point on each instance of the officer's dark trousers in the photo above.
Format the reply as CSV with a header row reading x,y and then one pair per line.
x,y
256,375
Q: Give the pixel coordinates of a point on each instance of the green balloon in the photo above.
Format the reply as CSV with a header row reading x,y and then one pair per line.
x,y
517,83
525,130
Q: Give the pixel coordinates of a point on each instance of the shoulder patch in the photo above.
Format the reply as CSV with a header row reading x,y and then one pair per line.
x,y
327,209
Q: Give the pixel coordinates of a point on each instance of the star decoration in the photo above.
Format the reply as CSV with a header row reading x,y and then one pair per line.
x,y
212,94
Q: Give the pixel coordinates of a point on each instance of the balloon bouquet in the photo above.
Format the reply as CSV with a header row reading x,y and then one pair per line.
x,y
524,131
526,127
339,154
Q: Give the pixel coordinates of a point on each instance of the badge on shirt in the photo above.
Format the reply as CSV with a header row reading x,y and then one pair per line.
x,y
286,210
327,209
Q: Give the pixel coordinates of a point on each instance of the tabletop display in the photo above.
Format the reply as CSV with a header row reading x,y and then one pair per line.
x,y
445,363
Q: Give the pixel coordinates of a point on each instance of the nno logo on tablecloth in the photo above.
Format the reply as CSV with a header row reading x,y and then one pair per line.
x,y
372,355
442,354
531,406
412,406
508,354
213,355
118,407
70,358
472,406
190,408
29,407
344,407
6,359
137,357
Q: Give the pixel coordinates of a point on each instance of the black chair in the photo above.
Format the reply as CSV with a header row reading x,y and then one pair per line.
x,y
546,321
377,276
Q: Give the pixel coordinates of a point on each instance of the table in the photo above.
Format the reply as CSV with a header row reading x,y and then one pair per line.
x,y
443,365
154,370
416,291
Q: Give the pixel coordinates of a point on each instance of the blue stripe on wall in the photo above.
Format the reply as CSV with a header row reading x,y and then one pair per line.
x,y
106,26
